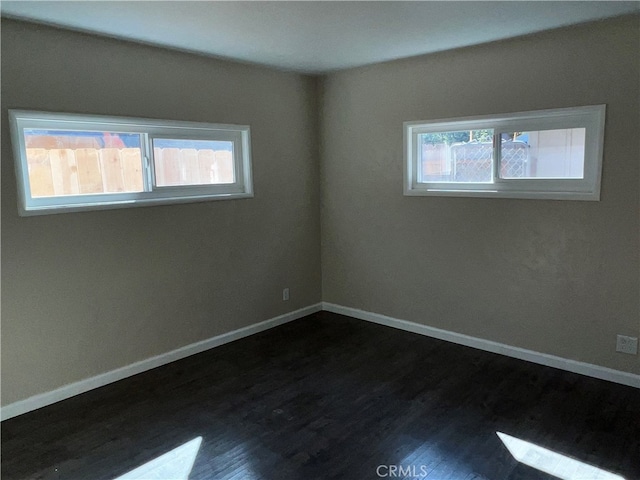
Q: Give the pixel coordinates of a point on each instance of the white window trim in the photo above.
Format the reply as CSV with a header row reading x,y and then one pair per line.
x,y
148,129
591,118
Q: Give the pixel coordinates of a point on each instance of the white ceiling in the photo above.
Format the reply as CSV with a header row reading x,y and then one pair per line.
x,y
314,36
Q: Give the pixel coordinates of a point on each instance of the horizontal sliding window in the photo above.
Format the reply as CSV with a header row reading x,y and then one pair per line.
x,y
70,162
64,163
192,162
464,156
554,154
543,154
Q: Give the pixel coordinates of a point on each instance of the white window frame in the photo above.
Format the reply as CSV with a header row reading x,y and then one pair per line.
x,y
148,129
591,118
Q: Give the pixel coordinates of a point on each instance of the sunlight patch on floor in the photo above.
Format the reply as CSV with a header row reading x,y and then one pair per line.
x,y
553,463
173,465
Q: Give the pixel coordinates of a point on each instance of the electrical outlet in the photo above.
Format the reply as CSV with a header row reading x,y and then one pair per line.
x,y
626,344
285,294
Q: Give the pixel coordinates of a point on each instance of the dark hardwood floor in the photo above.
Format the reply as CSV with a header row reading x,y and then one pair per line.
x,y
329,397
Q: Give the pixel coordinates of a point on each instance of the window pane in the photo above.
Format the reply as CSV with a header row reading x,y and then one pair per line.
x,y
192,162
462,156
64,162
543,154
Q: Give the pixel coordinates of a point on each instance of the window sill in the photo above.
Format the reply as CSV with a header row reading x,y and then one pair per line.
x,y
524,195
146,202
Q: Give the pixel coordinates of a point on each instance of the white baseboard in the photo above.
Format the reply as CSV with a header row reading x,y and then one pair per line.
x,y
76,388
596,371
67,391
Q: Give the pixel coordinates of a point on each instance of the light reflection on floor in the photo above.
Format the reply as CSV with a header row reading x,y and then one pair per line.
x,y
178,463
553,463
235,464
173,465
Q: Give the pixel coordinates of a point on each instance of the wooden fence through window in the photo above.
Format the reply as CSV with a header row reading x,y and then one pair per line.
x,y
73,171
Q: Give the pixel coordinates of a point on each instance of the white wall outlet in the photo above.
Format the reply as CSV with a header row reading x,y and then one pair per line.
x,y
626,344
285,295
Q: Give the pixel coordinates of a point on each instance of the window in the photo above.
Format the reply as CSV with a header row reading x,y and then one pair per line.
x,y
553,154
70,162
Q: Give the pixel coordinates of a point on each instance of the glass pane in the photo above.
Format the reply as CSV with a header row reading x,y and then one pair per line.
x,y
463,156
192,162
543,154
65,162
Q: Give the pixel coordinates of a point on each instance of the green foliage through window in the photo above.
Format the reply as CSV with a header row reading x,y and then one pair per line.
x,y
449,138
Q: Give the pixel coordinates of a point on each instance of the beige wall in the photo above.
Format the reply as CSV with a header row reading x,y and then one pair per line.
x,y
559,277
85,293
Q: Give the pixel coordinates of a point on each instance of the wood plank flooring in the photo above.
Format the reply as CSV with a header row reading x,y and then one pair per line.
x,y
331,397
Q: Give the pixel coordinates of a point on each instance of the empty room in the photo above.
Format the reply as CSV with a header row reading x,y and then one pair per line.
x,y
320,240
